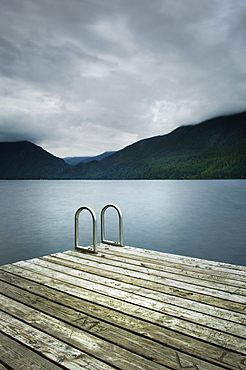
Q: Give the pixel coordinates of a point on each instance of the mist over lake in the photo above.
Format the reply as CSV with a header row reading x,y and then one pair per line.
x,y
197,218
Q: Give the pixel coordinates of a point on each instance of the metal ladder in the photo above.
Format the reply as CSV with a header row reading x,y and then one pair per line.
x,y
93,248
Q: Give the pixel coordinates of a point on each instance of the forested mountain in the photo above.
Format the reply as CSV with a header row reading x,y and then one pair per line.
x,y
212,149
24,160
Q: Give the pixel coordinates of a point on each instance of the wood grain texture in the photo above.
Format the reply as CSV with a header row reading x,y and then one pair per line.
x,y
123,308
15,355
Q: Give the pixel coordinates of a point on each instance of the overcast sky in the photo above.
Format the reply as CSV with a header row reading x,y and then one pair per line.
x,y
80,77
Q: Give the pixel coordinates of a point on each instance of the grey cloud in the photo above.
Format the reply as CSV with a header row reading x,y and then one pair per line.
x,y
82,77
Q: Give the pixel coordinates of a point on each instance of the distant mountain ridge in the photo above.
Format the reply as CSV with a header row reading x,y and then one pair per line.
x,y
213,149
75,160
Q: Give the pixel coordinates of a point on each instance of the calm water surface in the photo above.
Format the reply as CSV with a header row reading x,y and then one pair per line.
x,y
199,218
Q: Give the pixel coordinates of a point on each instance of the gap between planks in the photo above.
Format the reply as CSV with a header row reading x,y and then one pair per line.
x,y
118,291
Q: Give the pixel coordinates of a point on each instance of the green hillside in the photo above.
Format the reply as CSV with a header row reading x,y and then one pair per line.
x,y
212,149
24,160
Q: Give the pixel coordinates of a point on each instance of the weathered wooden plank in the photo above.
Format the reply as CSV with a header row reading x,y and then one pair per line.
x,y
130,306
150,289
159,276
234,298
150,255
4,368
18,357
175,340
180,272
50,347
155,351
77,338
122,290
151,305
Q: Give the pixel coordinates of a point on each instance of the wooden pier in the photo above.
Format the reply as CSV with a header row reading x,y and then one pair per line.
x,y
123,308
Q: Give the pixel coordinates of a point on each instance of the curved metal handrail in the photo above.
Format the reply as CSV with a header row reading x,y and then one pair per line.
x,y
76,219
120,243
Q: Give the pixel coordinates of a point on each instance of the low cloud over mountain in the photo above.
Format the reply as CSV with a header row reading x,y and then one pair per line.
x,y
213,149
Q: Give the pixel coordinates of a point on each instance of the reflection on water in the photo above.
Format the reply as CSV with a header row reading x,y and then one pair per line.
x,y
199,218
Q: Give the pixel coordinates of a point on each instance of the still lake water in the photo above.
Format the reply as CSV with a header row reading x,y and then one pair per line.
x,y
197,218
